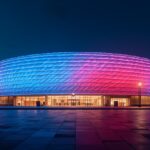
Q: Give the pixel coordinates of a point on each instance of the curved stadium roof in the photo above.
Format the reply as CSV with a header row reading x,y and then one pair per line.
x,y
74,72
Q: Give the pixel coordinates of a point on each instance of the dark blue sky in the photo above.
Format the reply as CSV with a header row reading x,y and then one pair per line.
x,y
37,26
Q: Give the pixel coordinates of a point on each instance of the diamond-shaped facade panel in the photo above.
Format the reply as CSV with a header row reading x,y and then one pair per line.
x,y
74,72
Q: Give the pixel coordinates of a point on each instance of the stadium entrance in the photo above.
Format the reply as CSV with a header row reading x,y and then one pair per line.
x,y
121,102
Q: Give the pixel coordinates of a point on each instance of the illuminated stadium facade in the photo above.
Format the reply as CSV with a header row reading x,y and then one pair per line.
x,y
75,79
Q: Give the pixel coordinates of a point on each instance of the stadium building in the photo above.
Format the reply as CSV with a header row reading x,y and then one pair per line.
x,y
75,79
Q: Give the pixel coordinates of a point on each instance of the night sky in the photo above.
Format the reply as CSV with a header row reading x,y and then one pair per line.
x,y
38,26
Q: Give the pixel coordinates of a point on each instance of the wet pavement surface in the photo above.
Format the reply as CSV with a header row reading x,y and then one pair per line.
x,y
74,129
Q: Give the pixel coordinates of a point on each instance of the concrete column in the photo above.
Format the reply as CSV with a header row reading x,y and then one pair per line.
x,y
46,100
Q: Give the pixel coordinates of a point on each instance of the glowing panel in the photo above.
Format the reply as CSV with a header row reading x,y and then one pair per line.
x,y
75,72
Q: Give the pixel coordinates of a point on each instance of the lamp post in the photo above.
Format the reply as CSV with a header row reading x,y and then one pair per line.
x,y
139,92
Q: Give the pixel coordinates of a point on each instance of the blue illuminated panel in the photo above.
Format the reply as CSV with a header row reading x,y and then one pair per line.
x,y
74,72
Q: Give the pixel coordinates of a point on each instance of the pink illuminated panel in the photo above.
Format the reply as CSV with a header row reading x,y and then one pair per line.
x,y
75,72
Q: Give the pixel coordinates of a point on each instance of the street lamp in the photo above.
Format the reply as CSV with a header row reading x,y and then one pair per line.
x,y
139,92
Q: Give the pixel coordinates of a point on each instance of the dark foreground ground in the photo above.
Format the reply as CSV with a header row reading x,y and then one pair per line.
x,y
74,129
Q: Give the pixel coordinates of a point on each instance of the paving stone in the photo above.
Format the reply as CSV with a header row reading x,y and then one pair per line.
x,y
60,147
90,147
74,129
114,145
142,147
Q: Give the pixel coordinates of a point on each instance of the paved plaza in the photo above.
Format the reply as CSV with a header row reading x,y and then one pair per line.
x,y
74,129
